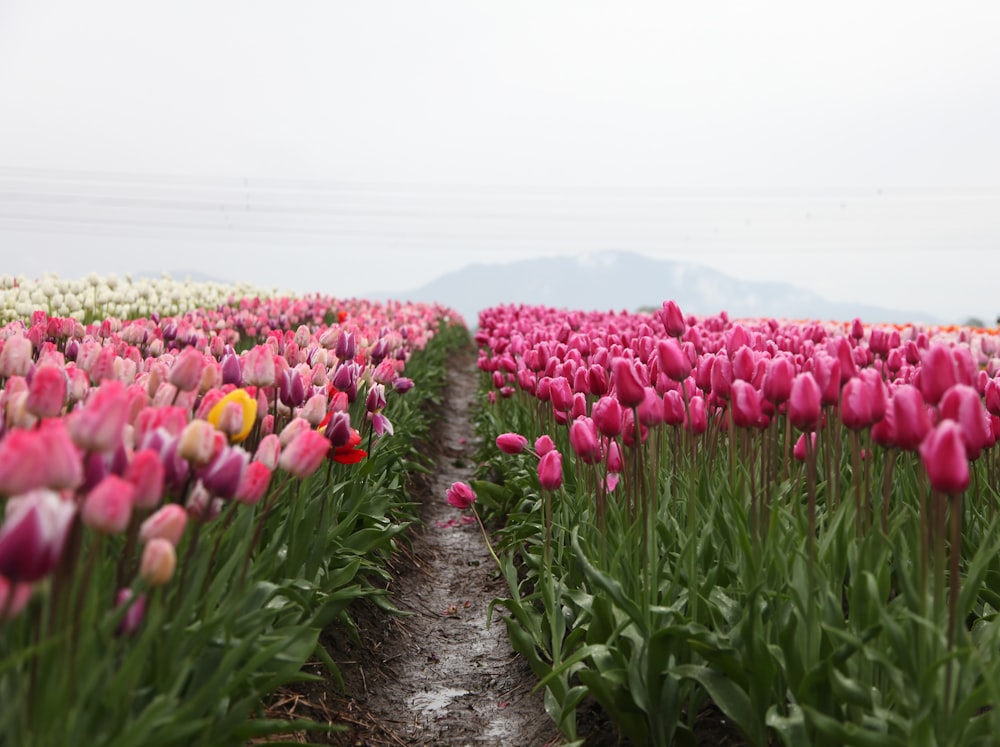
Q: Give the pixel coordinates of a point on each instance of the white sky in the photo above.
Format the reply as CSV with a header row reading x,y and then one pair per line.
x,y
851,148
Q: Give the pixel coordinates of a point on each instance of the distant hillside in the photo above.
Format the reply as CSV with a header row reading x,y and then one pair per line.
x,y
623,281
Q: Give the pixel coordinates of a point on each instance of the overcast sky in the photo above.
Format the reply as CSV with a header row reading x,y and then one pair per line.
x,y
851,148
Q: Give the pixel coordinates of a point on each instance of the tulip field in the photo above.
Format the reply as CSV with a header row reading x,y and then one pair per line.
x,y
789,526
190,499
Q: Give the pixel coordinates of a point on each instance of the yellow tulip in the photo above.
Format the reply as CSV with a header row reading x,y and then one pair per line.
x,y
238,431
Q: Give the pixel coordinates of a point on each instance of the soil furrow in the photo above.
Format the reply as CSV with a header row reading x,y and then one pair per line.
x,y
439,676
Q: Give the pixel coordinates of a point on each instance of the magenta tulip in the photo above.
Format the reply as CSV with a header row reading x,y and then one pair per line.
x,y
937,373
673,319
962,404
804,402
33,534
745,405
910,418
550,474
629,388
511,443
583,438
943,455
460,495
543,445
672,359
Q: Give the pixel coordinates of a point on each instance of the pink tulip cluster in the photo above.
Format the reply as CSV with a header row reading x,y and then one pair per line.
x,y
609,378
141,426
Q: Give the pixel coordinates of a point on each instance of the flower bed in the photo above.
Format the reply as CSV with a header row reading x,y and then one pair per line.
x,y
796,521
189,499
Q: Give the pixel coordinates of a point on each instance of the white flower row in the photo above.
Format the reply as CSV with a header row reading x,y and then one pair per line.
x,y
94,297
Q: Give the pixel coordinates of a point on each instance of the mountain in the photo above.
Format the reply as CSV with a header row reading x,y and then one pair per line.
x,y
617,281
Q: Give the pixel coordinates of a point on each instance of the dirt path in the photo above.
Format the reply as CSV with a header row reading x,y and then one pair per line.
x,y
438,676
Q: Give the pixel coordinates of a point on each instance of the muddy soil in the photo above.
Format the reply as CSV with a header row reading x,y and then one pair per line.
x,y
437,675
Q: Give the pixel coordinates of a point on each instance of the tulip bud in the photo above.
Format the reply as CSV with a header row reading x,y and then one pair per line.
x,y
253,484
304,454
460,495
158,562
550,470
543,445
745,405
259,368
167,522
134,613
943,455
911,421
937,373
511,443
804,402
197,443
583,439
99,424
673,319
629,388
108,507
47,392
33,534
185,373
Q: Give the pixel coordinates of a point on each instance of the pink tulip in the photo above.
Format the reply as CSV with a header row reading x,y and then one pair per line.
x,y
992,394
146,473
259,368
856,404
628,386
167,522
697,419
673,319
804,402
15,357
543,445
943,455
294,428
962,404
511,443
33,534
47,392
23,460
14,597
185,373
159,559
777,384
253,484
650,410
134,613
607,415
937,373
550,470
108,507
268,451
460,495
910,418
63,466
721,377
583,438
799,450
99,424
304,454
745,405
672,359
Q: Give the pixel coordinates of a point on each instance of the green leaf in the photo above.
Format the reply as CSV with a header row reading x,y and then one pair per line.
x,y
731,699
